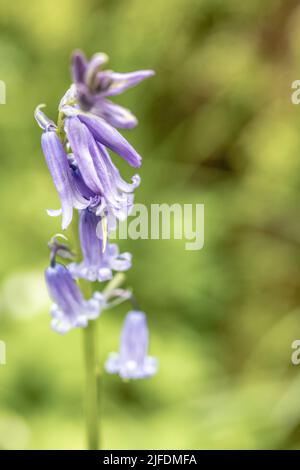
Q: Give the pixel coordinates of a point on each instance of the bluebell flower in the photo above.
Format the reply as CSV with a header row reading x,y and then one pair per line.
x,y
97,170
132,362
82,170
94,85
87,177
70,309
61,173
98,260
101,131
87,99
95,199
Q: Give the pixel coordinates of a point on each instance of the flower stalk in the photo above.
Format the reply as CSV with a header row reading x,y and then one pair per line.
x,y
92,370
92,386
91,367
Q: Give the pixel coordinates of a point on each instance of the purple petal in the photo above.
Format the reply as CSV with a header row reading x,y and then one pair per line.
x,y
115,115
122,81
93,67
115,174
110,190
78,67
80,184
58,165
84,97
80,140
63,290
111,138
91,246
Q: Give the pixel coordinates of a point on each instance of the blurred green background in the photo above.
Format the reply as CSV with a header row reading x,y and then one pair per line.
x,y
217,126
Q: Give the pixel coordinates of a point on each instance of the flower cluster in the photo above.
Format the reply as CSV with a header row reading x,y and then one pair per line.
x,y
77,152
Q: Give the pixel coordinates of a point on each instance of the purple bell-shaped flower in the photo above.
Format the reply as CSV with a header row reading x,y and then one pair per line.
x,y
70,309
133,362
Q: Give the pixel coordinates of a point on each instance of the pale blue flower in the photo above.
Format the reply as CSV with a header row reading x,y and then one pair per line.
x,y
133,362
99,261
63,180
70,309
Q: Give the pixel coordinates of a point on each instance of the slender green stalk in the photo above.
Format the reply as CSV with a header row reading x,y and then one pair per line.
x,y
92,413
92,386
92,369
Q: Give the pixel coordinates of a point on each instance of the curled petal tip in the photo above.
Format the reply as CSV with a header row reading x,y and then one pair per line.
x,y
93,67
99,59
58,248
56,236
43,121
54,212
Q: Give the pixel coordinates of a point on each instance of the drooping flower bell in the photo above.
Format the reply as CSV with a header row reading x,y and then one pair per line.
x,y
132,362
70,309
99,258
87,178
98,171
59,168
100,131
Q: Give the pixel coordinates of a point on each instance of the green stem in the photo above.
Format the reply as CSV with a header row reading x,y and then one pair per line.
x,y
92,384
93,376
92,370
